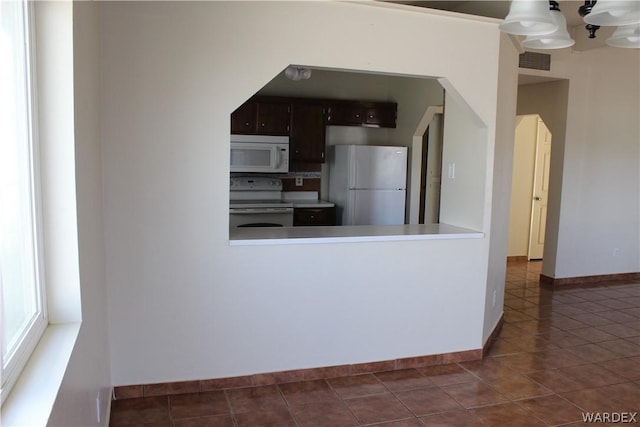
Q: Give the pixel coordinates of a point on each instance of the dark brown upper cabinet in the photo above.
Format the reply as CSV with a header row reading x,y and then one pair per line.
x,y
307,135
243,120
261,118
381,116
304,120
345,114
360,113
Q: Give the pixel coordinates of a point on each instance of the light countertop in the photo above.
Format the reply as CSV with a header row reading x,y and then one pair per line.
x,y
347,234
305,199
311,204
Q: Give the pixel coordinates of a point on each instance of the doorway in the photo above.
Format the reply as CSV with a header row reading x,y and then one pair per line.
x,y
530,188
431,172
430,131
548,98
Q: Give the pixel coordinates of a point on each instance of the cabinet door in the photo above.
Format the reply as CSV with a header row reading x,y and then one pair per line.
x,y
273,118
307,136
314,216
380,117
347,114
243,120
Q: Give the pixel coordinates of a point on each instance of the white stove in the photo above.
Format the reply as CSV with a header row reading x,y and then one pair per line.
x,y
257,202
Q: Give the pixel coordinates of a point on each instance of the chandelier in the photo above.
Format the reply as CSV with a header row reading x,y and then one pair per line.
x,y
545,27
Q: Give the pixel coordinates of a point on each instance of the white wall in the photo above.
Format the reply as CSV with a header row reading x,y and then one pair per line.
x,y
182,303
524,157
599,209
462,194
499,167
600,190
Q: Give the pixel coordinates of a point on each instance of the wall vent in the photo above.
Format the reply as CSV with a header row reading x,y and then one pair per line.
x,y
535,61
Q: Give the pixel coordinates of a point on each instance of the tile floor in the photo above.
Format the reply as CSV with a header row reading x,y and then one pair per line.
x,y
561,353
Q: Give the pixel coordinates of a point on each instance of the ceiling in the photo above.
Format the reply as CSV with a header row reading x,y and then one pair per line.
x,y
494,9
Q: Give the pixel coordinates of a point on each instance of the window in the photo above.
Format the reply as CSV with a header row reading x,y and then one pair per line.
x,y
23,316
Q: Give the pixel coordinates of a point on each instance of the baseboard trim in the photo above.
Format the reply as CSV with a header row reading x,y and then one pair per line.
x,y
216,384
588,280
172,388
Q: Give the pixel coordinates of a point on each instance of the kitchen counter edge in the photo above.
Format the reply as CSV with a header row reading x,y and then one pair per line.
x,y
310,203
348,234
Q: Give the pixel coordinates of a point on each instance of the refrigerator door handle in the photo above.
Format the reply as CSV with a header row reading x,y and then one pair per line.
x,y
351,169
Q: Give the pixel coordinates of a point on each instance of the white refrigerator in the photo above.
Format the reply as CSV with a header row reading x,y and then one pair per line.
x,y
368,184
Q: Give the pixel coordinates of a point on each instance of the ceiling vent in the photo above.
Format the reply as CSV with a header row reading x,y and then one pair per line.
x,y
535,61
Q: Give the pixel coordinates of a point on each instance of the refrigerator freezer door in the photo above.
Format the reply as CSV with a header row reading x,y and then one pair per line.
x,y
375,207
375,167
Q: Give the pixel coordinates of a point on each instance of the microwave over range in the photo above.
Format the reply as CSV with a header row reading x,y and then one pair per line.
x,y
259,153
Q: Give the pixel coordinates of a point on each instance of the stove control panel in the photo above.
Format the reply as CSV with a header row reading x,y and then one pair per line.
x,y
245,183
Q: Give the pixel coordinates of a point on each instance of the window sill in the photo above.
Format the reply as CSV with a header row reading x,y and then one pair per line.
x,y
32,398
348,234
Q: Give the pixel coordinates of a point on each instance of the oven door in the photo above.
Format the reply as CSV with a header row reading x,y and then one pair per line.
x,y
259,157
260,217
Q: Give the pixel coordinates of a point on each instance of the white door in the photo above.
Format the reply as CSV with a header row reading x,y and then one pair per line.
x,y
375,167
540,192
376,207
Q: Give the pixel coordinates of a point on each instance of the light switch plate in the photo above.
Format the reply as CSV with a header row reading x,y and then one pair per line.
x,y
452,170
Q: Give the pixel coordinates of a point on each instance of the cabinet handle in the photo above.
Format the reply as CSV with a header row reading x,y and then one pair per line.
x,y
357,116
262,124
246,124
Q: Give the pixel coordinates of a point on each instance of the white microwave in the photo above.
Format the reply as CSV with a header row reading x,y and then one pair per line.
x,y
259,153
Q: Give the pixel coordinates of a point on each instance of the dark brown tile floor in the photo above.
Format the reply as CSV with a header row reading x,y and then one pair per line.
x,y
560,353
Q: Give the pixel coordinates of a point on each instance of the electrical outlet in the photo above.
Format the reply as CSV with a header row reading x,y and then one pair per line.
x,y
298,181
616,252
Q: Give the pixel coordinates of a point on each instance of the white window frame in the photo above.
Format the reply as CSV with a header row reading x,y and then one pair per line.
x,y
33,332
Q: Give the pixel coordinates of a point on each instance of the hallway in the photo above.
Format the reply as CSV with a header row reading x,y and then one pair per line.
x,y
560,355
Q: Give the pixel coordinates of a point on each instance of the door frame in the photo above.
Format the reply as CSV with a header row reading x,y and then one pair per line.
x,y
417,161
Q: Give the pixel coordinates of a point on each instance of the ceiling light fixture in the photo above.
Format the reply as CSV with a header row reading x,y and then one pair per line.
x,y
297,73
625,36
546,27
555,40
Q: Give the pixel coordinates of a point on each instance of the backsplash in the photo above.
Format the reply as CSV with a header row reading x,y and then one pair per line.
x,y
289,184
311,181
